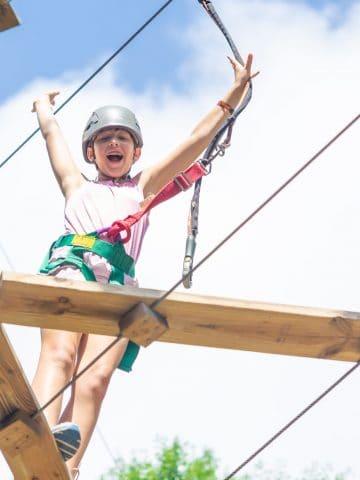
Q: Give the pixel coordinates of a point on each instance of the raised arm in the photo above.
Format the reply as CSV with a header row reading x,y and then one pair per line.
x,y
155,177
66,171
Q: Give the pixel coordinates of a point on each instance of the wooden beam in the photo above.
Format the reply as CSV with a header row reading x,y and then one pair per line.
x,y
142,325
18,432
8,18
26,443
89,307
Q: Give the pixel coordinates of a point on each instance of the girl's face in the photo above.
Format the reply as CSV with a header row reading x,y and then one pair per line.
x,y
114,152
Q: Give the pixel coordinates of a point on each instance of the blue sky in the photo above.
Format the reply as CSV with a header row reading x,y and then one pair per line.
x,y
57,37
302,250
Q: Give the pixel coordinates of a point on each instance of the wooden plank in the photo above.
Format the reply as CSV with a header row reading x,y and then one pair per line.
x,y
89,307
27,444
8,18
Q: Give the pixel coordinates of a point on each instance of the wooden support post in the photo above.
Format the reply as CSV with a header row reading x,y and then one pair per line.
x,y
8,18
27,444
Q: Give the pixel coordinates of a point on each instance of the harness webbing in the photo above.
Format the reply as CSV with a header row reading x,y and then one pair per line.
x,y
115,254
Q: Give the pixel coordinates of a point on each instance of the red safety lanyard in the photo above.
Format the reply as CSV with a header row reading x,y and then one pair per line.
x,y
120,230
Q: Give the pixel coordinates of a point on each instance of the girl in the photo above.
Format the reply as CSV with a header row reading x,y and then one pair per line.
x,y
112,141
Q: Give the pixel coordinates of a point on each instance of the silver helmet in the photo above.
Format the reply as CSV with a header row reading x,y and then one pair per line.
x,y
111,116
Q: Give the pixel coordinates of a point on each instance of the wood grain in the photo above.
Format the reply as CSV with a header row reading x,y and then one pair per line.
x,y
89,307
28,445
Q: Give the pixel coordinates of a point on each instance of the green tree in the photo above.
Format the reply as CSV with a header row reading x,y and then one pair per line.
x,y
173,462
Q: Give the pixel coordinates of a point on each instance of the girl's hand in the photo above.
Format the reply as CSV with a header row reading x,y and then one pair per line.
x,y
242,73
48,97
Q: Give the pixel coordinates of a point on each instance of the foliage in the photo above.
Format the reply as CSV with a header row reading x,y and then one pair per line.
x,y
173,462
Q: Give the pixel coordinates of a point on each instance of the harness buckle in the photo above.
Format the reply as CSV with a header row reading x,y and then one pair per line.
x,y
183,181
206,164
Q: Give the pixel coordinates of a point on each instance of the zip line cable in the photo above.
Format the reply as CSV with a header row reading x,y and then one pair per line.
x,y
125,44
297,417
256,211
7,258
76,377
106,444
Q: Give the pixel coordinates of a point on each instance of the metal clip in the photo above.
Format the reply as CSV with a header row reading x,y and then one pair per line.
x,y
206,164
188,261
222,147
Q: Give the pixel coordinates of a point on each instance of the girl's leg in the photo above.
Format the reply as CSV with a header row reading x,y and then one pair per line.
x,y
89,390
55,368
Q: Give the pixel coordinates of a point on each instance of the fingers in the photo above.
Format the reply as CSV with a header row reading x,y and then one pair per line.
x,y
248,62
247,67
231,60
236,64
46,97
52,94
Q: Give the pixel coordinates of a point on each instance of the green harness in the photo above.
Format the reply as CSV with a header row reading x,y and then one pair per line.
x,y
115,254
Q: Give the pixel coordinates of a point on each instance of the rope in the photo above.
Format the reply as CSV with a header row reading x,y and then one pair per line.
x,y
209,155
125,44
297,417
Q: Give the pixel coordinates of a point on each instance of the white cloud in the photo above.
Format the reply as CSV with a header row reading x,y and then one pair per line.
x,y
302,249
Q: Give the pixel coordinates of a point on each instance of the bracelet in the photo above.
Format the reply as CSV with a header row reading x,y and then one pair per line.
x,y
225,106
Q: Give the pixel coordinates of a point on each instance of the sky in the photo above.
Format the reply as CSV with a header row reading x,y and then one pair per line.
x,y
303,249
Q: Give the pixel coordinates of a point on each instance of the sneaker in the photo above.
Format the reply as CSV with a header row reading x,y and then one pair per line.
x,y
67,438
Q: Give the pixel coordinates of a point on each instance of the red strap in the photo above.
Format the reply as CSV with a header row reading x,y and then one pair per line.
x,y
180,183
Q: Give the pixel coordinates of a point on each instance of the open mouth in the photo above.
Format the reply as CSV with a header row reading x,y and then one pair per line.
x,y
113,157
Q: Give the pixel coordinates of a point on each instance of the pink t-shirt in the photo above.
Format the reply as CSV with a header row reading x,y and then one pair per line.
x,y
97,204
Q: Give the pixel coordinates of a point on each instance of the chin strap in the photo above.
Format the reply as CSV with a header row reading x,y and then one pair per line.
x,y
214,149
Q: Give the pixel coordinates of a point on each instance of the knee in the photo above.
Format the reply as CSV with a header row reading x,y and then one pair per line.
x,y
60,355
94,384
